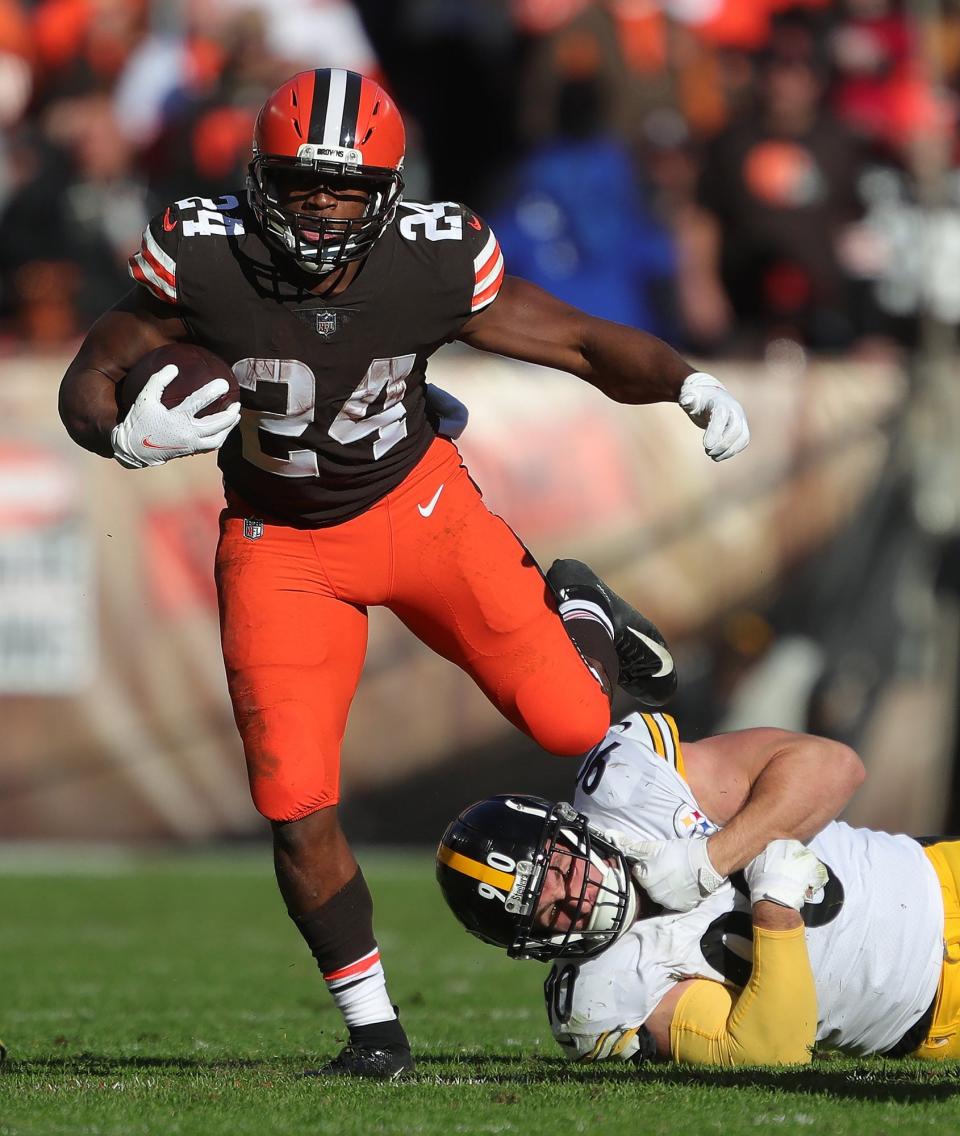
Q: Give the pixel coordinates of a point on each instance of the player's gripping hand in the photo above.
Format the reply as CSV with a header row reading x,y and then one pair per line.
x,y
714,409
445,413
152,433
786,873
676,874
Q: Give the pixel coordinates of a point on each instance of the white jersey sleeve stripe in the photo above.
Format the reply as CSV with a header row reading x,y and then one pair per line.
x,y
156,253
490,277
485,298
142,272
154,268
484,255
488,271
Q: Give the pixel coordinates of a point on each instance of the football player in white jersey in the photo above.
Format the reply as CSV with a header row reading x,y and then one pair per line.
x,y
686,920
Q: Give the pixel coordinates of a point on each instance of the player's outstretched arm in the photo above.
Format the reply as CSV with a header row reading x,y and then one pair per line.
x,y
121,336
768,784
761,785
628,365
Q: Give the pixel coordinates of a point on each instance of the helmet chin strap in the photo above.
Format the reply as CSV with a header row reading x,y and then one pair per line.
x,y
603,914
318,267
315,266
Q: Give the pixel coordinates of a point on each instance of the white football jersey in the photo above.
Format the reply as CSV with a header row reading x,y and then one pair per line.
x,y
875,939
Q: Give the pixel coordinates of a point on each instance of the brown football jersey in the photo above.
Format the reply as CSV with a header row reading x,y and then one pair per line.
x,y
332,390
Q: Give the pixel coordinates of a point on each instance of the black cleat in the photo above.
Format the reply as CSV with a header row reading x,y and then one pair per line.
x,y
647,670
360,1061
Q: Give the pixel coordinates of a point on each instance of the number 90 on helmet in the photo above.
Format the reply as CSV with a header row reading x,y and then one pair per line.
x,y
332,128
492,864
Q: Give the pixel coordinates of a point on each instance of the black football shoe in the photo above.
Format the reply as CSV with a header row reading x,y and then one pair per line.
x,y
647,670
362,1061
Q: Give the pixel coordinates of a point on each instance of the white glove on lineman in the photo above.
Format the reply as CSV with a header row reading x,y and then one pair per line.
x,y
714,409
785,872
152,433
676,874
445,413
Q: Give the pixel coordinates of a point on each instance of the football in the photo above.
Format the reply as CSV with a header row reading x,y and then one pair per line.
x,y
197,367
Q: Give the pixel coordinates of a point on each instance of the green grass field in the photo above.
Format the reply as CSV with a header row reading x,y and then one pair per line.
x,y
170,995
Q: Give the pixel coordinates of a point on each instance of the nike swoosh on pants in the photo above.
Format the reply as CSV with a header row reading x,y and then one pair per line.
x,y
426,510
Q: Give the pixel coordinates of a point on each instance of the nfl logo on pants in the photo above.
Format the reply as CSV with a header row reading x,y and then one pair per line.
x,y
252,528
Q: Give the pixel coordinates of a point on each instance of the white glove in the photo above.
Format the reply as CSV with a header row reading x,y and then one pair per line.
x,y
676,874
785,872
152,433
714,409
446,414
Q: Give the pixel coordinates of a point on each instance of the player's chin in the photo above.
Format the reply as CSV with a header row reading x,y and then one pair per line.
x,y
645,905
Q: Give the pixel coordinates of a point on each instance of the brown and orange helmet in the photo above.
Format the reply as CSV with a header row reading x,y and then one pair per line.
x,y
333,128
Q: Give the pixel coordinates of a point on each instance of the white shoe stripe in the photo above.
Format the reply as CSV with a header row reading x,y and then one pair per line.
x,y
585,609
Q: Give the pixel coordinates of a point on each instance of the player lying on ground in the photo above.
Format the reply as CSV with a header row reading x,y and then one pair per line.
x,y
326,294
686,921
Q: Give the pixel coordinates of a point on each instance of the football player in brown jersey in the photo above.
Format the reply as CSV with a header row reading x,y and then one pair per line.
x,y
326,293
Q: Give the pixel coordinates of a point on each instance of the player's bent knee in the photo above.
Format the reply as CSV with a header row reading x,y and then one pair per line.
x,y
566,729
307,833
572,742
281,804
292,752
286,787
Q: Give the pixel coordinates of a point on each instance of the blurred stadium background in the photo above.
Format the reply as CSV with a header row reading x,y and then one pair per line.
x,y
773,187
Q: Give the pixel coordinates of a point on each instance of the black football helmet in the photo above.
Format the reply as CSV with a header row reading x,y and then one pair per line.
x,y
491,867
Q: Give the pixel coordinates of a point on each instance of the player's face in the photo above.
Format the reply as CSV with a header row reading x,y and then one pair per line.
x,y
561,908
335,200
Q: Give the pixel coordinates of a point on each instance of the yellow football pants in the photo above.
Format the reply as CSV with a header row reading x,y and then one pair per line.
x,y
943,1040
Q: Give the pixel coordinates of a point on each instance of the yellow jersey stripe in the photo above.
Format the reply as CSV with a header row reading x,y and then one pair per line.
x,y
625,1038
669,750
655,736
597,1049
473,868
678,752
665,739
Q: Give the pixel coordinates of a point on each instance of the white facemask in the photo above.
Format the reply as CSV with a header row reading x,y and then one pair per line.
x,y
603,914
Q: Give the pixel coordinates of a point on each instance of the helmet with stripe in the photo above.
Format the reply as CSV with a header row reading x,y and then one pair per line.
x,y
492,864
334,129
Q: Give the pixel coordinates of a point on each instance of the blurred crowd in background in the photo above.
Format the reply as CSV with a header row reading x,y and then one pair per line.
x,y
753,180
724,173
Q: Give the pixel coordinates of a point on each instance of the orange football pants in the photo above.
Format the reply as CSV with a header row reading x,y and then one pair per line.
x,y
294,627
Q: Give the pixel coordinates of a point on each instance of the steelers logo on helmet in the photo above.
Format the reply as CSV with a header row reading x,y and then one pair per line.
x,y
333,132
492,864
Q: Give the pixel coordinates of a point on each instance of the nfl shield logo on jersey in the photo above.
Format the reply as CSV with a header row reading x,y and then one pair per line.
x,y
688,821
252,528
326,323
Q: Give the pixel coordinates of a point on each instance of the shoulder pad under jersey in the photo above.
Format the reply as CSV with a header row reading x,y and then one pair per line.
x,y
457,231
